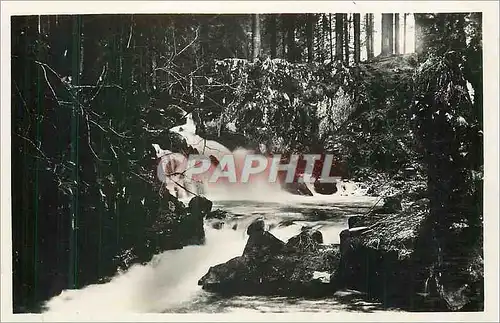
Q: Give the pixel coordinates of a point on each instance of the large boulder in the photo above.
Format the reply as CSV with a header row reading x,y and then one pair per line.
x,y
297,188
172,226
325,187
270,267
257,226
200,205
261,245
307,241
395,259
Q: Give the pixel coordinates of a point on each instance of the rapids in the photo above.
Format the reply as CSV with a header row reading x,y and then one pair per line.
x,y
168,283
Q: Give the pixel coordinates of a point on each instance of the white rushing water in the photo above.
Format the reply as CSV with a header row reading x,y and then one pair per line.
x,y
168,283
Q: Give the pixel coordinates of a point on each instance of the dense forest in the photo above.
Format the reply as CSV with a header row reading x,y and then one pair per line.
x,y
92,93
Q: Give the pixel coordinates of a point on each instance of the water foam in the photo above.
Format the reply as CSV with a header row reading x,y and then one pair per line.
x,y
168,280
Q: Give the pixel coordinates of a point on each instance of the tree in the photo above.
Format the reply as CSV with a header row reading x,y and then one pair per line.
x,y
387,45
330,34
346,37
255,36
419,37
449,129
396,34
273,32
357,41
369,35
310,36
283,32
404,32
290,28
339,36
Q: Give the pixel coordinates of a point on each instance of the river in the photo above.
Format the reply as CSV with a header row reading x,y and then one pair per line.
x,y
168,283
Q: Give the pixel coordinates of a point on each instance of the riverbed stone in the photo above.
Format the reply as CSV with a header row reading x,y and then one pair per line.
x,y
262,244
218,214
308,240
267,266
297,188
201,205
325,187
257,226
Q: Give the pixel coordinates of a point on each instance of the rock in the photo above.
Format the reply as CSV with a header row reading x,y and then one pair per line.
x,y
395,260
363,220
256,226
235,226
286,223
267,268
322,276
200,204
297,188
306,241
173,226
217,214
218,225
263,244
392,204
324,188
317,236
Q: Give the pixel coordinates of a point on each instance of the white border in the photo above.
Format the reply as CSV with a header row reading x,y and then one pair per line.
x,y
491,106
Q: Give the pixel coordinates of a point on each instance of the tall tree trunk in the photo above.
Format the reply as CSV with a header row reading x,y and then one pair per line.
x,y
419,37
273,32
458,34
396,34
291,38
310,36
324,36
339,36
369,36
204,41
404,33
357,36
387,34
284,25
255,36
346,38
330,32
77,63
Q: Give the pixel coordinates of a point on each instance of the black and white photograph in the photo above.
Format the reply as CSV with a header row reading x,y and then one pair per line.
x,y
325,159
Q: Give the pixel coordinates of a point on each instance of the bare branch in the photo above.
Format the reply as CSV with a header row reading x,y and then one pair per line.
x,y
98,125
89,140
119,134
188,45
130,34
50,85
33,144
183,187
100,81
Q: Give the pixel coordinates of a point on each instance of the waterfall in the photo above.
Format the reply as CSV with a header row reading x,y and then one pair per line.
x,y
174,166
184,188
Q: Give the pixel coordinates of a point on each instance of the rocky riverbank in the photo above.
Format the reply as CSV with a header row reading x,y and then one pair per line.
x,y
173,227
387,254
